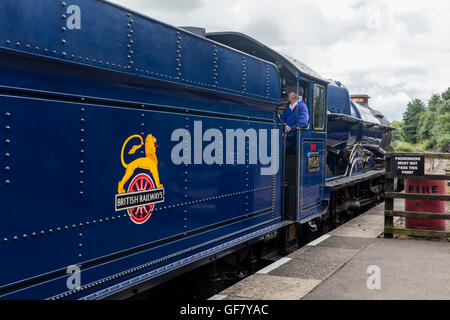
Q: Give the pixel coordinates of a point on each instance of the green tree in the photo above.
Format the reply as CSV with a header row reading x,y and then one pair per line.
x,y
441,131
411,120
425,124
434,103
429,123
397,134
446,94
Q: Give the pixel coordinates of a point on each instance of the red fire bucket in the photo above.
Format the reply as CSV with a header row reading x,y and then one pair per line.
x,y
425,187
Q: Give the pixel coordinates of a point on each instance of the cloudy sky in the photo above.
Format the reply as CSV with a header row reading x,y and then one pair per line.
x,y
392,50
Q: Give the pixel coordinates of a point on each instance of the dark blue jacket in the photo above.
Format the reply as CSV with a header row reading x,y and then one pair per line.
x,y
294,120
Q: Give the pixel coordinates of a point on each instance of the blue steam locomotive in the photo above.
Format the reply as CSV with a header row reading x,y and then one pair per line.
x,y
116,166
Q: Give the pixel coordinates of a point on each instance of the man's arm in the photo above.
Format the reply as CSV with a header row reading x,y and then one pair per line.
x,y
284,120
283,116
303,116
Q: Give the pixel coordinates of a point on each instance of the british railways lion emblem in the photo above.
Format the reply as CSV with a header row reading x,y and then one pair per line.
x,y
144,191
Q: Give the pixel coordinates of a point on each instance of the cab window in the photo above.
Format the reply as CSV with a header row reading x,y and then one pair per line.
x,y
319,108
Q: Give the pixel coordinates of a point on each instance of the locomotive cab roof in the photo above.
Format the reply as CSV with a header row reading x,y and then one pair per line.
x,y
287,66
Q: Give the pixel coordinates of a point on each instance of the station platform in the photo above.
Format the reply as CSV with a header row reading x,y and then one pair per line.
x,y
336,266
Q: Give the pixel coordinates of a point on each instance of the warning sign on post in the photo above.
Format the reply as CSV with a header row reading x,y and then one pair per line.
x,y
408,165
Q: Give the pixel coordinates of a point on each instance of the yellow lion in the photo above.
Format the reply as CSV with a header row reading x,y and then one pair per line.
x,y
149,162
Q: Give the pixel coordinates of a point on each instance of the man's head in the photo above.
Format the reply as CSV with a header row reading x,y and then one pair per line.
x,y
292,97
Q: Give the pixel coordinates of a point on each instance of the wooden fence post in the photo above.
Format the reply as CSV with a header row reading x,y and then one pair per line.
x,y
388,202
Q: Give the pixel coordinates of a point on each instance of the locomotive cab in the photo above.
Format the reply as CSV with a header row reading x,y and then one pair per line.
x,y
304,170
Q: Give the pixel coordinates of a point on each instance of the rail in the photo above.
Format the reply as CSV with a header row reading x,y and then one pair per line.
x,y
416,172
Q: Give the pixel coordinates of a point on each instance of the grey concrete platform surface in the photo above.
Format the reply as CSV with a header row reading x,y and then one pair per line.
x,y
336,266
409,269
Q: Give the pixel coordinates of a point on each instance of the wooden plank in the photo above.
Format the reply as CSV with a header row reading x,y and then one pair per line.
x,y
418,233
417,196
425,177
418,215
387,225
418,154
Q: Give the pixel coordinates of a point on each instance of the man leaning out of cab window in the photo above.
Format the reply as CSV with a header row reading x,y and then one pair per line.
x,y
296,116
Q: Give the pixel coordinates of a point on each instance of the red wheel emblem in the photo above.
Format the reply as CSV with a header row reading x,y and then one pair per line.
x,y
141,182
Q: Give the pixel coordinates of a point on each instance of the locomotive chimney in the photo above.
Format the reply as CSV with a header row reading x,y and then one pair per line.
x,y
360,98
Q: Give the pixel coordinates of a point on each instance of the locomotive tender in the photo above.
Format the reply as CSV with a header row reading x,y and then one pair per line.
x,y
94,205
